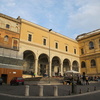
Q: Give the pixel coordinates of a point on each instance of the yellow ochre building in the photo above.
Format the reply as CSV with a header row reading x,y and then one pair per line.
x,y
41,50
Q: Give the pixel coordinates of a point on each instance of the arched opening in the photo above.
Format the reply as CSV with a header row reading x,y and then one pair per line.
x,y
56,66
93,63
43,64
91,45
66,65
6,38
83,64
75,66
29,61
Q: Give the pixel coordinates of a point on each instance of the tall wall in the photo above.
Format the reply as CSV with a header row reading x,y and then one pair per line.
x,y
36,45
91,52
9,48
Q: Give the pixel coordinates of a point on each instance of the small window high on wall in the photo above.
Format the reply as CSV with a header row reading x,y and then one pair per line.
x,y
44,41
99,42
6,38
7,26
66,48
74,51
15,44
83,64
91,45
82,51
56,45
93,63
29,37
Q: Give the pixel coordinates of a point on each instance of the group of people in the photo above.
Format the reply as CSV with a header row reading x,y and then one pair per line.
x,y
85,80
33,74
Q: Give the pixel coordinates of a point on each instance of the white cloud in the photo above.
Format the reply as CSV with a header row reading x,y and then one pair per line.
x,y
68,17
86,17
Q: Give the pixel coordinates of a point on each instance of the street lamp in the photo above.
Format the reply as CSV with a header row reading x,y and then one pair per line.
x,y
49,54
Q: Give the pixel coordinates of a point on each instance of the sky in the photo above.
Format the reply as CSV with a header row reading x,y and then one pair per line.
x,y
67,17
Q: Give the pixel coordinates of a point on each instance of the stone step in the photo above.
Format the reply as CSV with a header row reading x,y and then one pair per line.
x,y
44,79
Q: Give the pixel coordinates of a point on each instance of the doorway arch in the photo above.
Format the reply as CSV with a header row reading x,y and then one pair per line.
x,y
56,66
43,64
75,66
29,60
66,65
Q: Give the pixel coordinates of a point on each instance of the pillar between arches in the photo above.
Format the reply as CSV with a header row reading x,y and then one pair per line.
x,y
36,66
50,69
61,70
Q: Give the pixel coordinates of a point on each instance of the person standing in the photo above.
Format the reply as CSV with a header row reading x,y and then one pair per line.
x,y
84,79
87,80
34,74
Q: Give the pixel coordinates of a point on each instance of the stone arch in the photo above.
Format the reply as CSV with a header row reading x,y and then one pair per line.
x,y
17,29
75,66
93,63
91,45
8,25
66,65
83,64
43,64
29,61
56,66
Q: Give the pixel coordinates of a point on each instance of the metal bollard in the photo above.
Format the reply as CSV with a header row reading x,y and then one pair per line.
x,y
80,91
88,90
41,91
74,88
95,88
27,90
55,90
69,92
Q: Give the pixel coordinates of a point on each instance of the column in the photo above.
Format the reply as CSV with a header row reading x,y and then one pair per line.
x,y
50,69
71,66
36,66
61,69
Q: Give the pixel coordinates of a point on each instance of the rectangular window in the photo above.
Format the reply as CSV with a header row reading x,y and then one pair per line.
x,y
44,41
66,48
74,51
82,51
29,37
56,45
99,42
7,26
15,44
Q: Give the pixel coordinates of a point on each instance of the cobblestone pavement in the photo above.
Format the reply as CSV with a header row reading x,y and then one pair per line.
x,y
63,90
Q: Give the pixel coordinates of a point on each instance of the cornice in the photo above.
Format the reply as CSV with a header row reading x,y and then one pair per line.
x,y
90,55
9,18
10,31
88,35
47,48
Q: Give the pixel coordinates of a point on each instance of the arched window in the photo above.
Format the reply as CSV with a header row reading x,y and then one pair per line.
x,y
6,38
93,63
82,51
17,30
91,45
15,44
83,65
7,26
99,42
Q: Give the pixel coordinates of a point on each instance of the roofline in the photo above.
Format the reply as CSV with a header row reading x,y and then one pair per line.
x,y
46,29
10,18
89,34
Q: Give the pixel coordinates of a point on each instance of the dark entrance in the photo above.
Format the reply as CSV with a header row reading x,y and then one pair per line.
x,y
42,69
4,77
